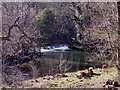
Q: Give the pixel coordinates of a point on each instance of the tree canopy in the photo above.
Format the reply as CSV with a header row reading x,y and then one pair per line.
x,y
44,22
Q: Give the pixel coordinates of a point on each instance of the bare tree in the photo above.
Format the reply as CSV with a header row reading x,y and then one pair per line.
x,y
63,65
118,61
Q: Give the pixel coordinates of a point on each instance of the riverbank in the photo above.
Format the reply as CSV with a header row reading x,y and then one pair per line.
x,y
71,81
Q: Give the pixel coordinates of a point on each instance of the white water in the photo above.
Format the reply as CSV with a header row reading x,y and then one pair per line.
x,y
54,49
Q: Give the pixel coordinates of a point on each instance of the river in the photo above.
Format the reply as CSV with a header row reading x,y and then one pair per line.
x,y
51,59
76,58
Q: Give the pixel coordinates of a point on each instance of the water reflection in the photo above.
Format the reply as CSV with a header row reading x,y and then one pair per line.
x,y
76,58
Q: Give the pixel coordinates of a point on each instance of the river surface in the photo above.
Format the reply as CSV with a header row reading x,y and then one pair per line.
x,y
76,58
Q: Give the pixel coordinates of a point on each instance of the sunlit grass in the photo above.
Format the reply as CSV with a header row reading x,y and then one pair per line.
x,y
109,73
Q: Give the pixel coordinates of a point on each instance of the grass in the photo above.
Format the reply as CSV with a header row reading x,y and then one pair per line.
x,y
96,81
110,73
63,82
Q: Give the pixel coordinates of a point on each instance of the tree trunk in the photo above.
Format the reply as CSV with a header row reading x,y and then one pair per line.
x,y
118,61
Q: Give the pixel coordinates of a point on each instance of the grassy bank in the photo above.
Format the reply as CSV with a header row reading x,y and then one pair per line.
x,y
96,81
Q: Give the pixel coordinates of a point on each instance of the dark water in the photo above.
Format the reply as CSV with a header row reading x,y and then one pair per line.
x,y
76,58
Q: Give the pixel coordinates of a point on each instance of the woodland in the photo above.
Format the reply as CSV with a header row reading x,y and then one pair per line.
x,y
90,29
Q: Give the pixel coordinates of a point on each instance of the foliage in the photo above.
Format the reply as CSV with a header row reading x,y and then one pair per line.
x,y
44,22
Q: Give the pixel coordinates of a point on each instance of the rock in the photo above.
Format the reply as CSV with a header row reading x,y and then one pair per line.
x,y
36,80
43,78
65,75
32,81
109,82
109,86
81,80
115,84
48,77
78,76
61,75
80,85
51,77
92,85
